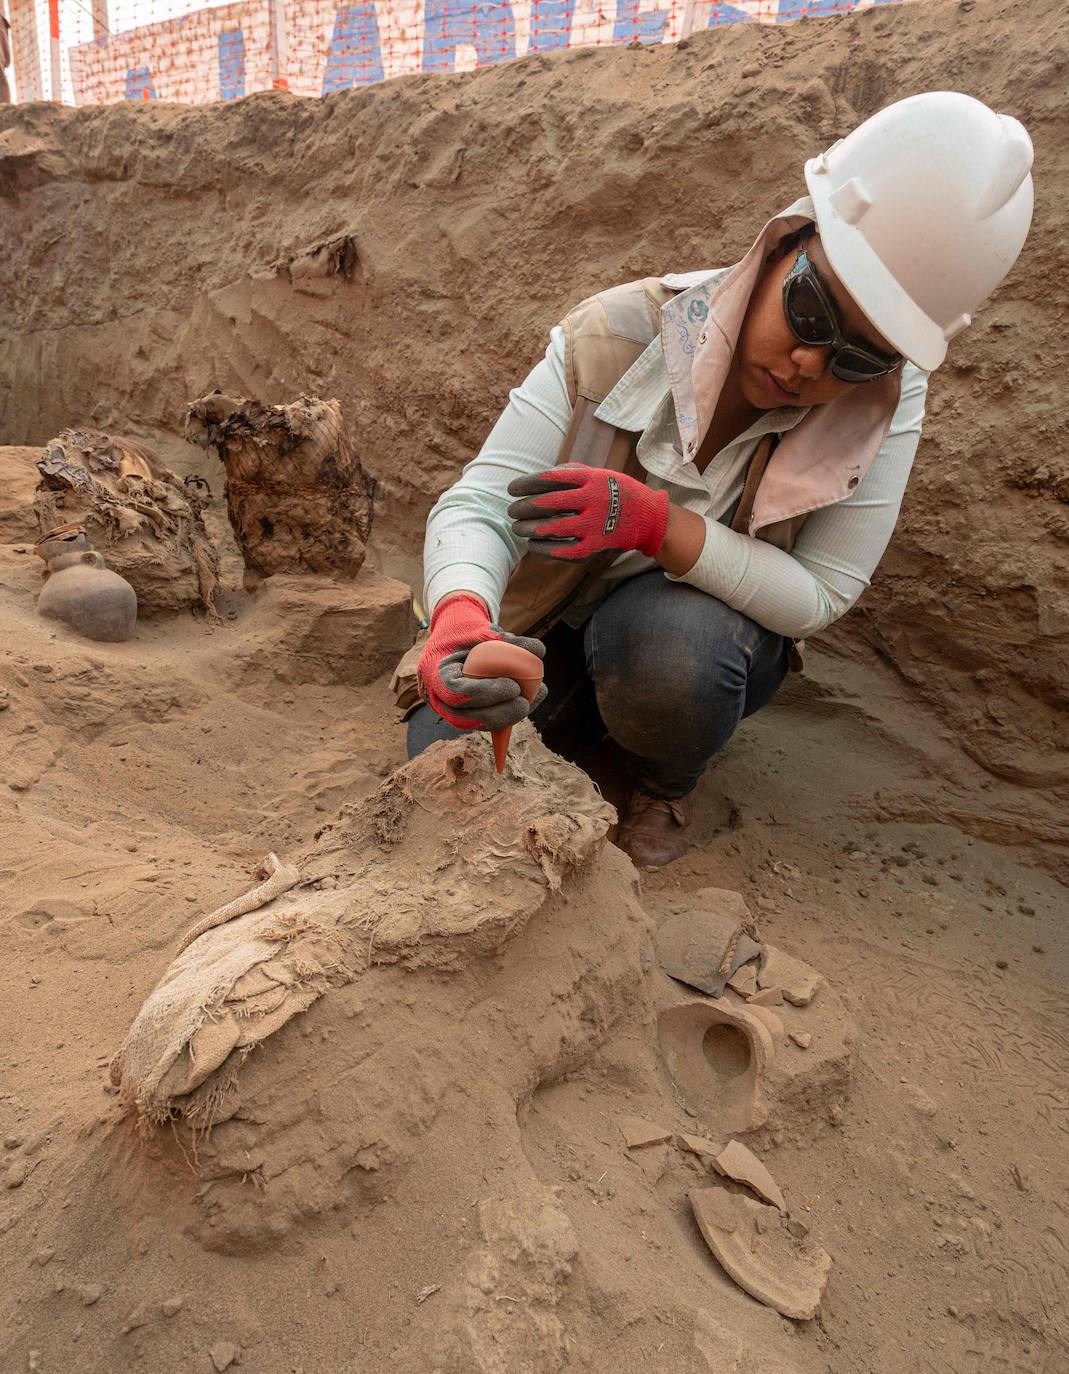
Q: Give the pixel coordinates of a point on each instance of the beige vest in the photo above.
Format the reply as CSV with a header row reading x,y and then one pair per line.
x,y
603,336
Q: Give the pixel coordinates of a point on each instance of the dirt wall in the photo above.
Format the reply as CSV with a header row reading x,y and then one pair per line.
x,y
406,248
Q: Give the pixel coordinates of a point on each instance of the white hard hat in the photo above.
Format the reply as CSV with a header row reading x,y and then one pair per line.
x,y
922,211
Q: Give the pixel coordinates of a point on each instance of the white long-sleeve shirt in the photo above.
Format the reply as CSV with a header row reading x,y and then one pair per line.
x,y
470,545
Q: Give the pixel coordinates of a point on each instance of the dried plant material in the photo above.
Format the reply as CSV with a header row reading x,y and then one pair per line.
x,y
296,495
139,515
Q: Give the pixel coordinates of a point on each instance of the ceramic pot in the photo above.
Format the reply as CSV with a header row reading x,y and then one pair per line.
x,y
80,590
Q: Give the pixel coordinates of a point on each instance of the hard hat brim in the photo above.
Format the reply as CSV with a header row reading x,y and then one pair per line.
x,y
870,285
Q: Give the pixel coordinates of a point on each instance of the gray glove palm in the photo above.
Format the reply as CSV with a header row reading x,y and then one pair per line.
x,y
493,702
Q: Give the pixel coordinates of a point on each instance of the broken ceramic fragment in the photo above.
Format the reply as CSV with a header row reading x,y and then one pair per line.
x,y
767,997
737,1162
772,1022
705,947
638,1132
653,1161
744,980
803,1039
698,1145
752,1243
717,1053
797,979
794,1080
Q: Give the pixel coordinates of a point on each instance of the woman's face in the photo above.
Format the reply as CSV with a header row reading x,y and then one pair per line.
x,y
776,369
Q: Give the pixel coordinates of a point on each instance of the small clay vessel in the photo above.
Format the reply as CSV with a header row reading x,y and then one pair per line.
x,y
495,658
80,590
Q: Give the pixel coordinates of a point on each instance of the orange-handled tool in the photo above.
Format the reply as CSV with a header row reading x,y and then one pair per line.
x,y
495,658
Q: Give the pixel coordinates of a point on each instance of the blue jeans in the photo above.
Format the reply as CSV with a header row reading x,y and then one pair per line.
x,y
665,670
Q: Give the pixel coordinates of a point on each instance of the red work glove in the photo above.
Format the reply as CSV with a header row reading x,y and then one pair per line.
x,y
459,623
575,511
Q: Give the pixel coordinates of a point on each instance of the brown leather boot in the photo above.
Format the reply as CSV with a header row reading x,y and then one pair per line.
x,y
651,831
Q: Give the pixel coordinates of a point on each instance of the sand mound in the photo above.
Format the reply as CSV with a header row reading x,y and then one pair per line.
x,y
425,1168
443,864
18,479
402,1100
418,284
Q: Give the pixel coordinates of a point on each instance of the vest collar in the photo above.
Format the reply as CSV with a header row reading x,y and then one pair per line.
x,y
634,401
822,459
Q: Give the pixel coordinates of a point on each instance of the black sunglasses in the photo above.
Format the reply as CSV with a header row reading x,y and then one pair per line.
x,y
813,320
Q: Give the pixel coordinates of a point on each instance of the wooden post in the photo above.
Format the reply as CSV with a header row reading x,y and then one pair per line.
x,y
24,50
55,53
5,56
279,46
100,19
695,17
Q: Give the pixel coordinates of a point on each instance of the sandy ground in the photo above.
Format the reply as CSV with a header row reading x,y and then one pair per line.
x,y
425,1172
151,776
